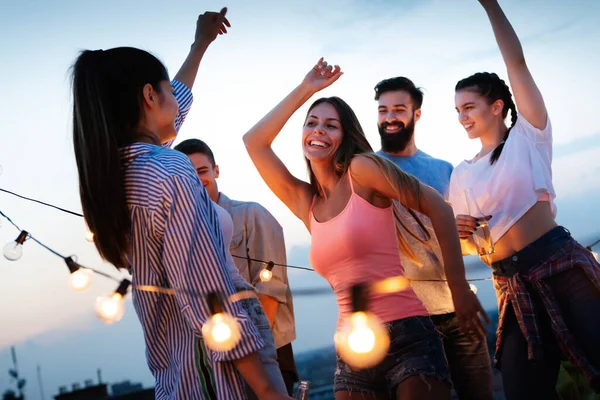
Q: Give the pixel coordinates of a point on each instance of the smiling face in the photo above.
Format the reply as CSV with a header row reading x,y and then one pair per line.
x,y
322,133
475,114
396,121
207,172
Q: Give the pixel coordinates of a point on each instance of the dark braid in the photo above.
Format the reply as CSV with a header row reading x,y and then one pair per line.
x,y
490,86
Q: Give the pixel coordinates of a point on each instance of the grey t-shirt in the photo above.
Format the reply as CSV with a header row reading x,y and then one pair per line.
x,y
436,296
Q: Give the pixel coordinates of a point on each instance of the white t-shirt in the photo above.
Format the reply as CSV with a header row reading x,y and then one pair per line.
x,y
226,224
510,187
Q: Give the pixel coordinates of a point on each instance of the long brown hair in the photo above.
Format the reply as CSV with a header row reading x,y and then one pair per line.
x,y
354,142
107,108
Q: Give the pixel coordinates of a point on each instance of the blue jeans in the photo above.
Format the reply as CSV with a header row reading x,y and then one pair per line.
x,y
415,350
468,359
268,354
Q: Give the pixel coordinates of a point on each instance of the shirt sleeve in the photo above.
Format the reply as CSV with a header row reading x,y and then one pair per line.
x,y
266,242
524,127
194,259
184,98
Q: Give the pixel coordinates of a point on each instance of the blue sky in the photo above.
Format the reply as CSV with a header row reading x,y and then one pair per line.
x,y
269,49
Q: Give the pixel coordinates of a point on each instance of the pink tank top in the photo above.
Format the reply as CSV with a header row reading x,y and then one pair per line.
x,y
360,246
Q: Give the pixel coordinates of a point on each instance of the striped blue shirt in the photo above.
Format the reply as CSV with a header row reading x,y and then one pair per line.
x,y
176,242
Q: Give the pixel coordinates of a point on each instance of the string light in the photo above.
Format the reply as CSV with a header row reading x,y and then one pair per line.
x,y
14,250
111,308
362,341
266,274
221,332
391,285
81,277
473,288
89,235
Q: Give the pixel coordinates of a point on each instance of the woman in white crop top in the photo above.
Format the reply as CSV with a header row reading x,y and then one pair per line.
x,y
548,285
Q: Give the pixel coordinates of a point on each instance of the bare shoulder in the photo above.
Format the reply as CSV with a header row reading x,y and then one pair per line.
x,y
363,166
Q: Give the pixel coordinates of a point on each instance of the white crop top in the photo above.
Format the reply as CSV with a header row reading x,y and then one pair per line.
x,y
510,187
226,224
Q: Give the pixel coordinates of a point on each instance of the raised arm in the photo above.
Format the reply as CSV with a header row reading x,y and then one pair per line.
x,y
293,192
528,97
367,173
208,26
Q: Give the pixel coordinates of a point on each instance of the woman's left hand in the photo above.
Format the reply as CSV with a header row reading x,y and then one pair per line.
x,y
469,311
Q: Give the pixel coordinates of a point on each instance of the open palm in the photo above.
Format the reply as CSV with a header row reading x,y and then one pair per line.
x,y
322,75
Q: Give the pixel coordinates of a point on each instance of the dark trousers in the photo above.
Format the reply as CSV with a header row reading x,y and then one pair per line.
x,y
468,360
287,365
579,302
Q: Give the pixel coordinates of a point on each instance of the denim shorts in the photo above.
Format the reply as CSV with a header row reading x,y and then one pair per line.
x,y
415,350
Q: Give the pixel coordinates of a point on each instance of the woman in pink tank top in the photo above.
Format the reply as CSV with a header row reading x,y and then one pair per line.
x,y
348,207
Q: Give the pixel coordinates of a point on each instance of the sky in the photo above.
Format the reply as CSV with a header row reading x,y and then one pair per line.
x,y
269,49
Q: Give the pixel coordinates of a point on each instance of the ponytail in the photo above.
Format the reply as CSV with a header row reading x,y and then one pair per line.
x,y
107,108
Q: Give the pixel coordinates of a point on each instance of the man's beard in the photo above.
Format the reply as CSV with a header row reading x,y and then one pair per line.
x,y
396,142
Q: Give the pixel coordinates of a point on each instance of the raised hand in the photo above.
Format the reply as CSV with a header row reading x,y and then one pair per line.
x,y
322,75
210,25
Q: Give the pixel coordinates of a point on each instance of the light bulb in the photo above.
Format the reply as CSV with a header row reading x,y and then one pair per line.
x,y
473,288
110,308
89,235
362,341
595,255
221,332
14,250
391,285
81,279
265,275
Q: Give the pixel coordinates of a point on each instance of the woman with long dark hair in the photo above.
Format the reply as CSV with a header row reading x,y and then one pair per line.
x,y
548,285
348,208
150,214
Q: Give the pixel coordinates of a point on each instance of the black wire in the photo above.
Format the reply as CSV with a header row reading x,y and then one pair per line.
x,y
233,255
42,203
274,263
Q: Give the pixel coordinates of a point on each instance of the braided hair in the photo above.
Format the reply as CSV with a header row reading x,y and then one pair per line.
x,y
490,86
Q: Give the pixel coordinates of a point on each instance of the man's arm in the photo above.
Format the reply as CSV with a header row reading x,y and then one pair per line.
x,y
265,241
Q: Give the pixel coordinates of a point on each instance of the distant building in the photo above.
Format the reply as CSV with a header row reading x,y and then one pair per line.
x,y
89,392
125,387
120,391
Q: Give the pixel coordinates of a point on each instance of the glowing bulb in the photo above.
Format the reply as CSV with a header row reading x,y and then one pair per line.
x,y
221,332
595,255
110,308
89,235
14,250
81,279
362,341
473,288
391,285
265,275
